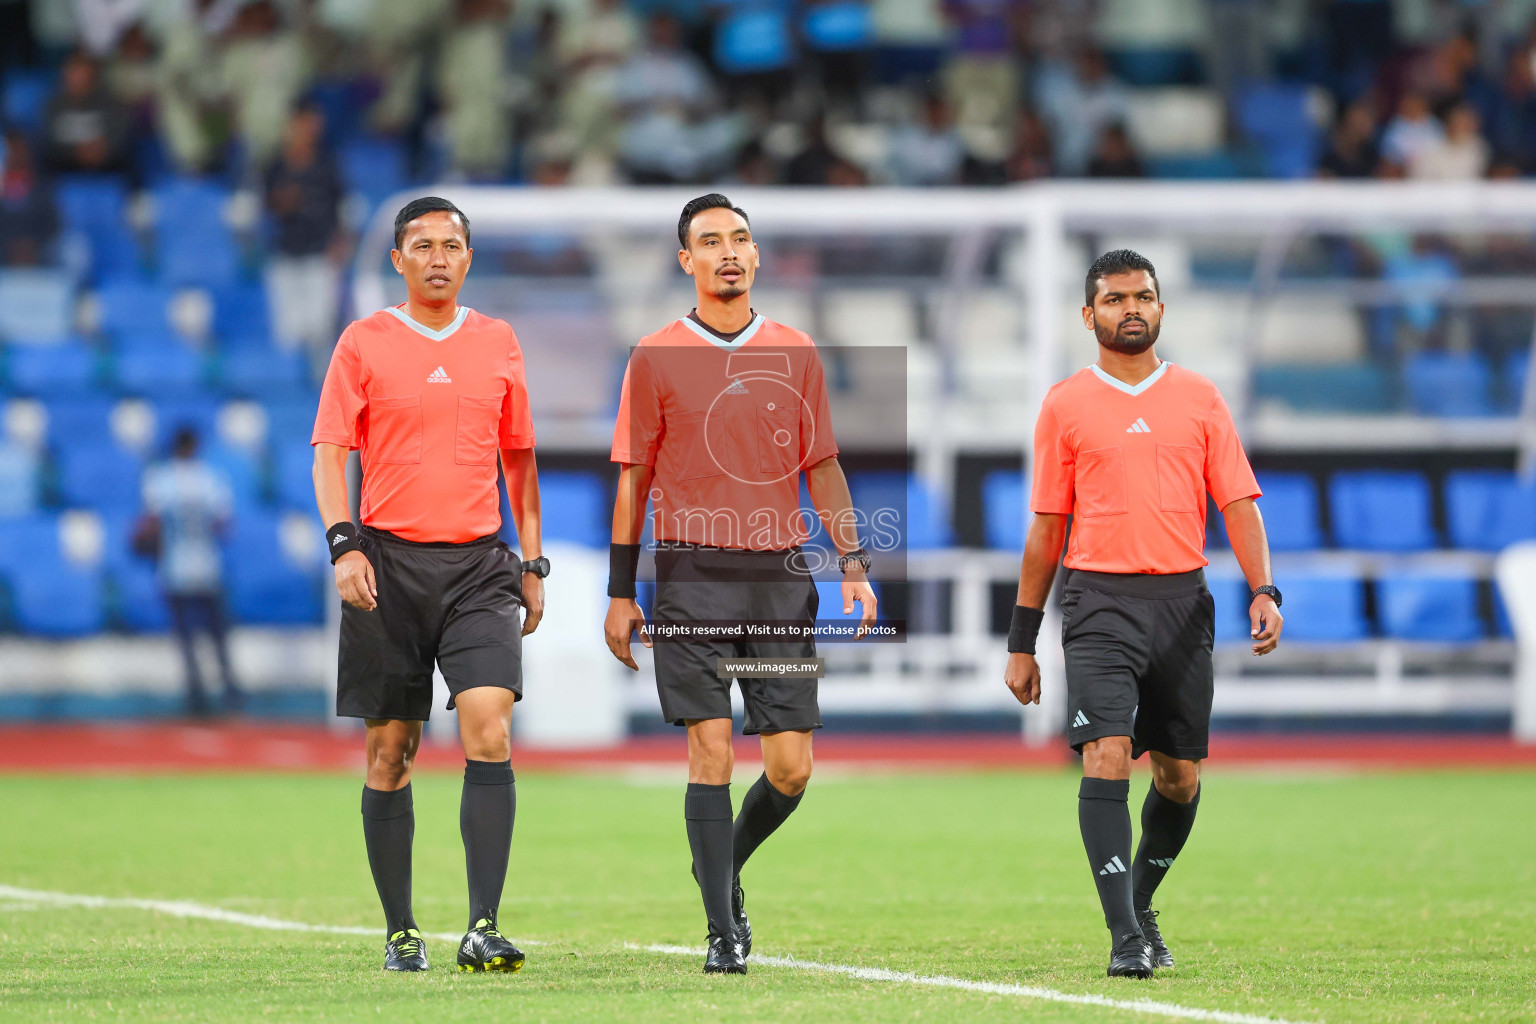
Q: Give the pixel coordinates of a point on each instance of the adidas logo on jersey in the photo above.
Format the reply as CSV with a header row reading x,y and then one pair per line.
x,y
1114,867
1139,427
439,376
737,388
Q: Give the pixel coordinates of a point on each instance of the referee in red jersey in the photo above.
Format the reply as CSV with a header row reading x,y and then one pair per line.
x,y
1128,449
722,410
430,392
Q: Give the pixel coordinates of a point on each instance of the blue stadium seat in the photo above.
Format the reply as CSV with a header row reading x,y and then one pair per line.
x,y
1275,118
1427,606
840,26
374,168
293,481
169,368
1216,166
241,316
96,473
1381,510
50,596
1489,509
1289,506
1328,387
1324,607
911,519
95,207
264,585
240,469
130,306
1449,384
291,421
574,508
20,482
198,411
26,96
1230,594
194,245
65,368
1002,499
1156,66
78,416
54,598
263,372
1516,368
36,303
754,40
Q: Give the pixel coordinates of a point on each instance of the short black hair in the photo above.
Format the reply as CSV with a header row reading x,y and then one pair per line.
x,y
420,208
713,201
184,441
1117,261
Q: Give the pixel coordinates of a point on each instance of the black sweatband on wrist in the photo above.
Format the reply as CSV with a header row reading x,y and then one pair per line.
x,y
623,562
1023,630
342,538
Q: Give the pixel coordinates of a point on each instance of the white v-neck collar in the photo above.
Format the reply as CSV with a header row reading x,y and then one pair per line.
x,y
1130,389
736,342
425,331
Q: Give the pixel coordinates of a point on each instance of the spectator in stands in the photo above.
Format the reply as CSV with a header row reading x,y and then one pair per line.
x,y
593,49
817,162
1080,100
1461,154
1115,156
1413,130
471,83
1352,151
674,129
927,152
303,198
1030,157
186,509
130,77
1512,124
265,69
189,91
29,220
85,128
981,78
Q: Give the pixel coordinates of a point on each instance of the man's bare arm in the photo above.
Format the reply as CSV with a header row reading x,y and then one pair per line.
x,y
1037,570
354,573
1245,530
521,470
628,523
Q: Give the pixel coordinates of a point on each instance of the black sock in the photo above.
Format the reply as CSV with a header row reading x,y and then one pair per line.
x,y
389,824
763,809
1104,816
486,810
1165,825
708,813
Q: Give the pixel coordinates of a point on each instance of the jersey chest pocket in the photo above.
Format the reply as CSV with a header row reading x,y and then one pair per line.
x,y
474,442
778,442
1180,477
394,430
688,446
1099,484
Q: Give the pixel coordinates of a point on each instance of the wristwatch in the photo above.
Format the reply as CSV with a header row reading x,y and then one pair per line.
x,y
1271,590
856,555
538,566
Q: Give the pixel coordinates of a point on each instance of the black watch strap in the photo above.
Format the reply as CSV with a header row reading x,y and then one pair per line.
x,y
538,566
856,555
1270,589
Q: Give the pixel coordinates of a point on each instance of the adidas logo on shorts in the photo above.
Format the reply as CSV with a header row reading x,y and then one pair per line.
x,y
1079,721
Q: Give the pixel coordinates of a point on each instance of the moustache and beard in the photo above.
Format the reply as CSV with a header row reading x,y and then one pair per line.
x,y
1113,337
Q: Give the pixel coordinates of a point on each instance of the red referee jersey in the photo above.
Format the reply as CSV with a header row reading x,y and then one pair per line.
x,y
428,410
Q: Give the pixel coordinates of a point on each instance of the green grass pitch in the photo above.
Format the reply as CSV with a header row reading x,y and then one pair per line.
x,y
1304,897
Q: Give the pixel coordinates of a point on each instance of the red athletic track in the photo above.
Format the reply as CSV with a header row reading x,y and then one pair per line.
x,y
245,746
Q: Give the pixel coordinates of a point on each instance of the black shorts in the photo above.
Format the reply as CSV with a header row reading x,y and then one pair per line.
x,y
1138,650
723,584
455,604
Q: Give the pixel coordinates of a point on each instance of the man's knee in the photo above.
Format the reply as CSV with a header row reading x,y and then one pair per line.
x,y
790,779
487,741
389,764
1177,780
1107,758
711,755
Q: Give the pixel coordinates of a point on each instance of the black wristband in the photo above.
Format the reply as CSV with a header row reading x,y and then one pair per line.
x,y
1023,630
623,561
342,538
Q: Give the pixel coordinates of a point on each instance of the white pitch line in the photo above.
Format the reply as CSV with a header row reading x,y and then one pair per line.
x,y
182,908
187,909
995,988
